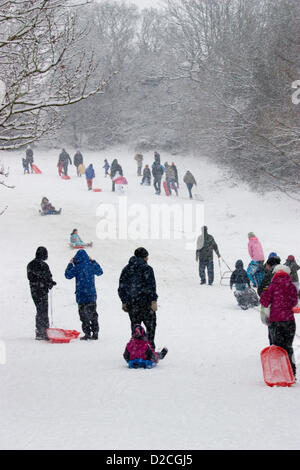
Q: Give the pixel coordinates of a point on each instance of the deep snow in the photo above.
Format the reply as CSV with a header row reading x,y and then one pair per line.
x,y
209,392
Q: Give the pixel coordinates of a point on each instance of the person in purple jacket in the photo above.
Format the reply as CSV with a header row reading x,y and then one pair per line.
x,y
281,295
139,352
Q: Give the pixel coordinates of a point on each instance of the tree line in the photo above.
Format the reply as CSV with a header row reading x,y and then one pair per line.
x,y
213,77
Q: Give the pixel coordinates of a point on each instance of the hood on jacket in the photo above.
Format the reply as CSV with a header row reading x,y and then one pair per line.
x,y
138,332
41,253
239,264
281,268
81,257
136,261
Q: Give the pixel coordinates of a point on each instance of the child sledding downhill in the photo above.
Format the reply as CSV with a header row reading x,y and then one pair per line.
x,y
139,353
47,208
76,242
245,296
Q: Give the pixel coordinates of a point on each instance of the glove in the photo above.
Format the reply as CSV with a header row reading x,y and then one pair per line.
x,y
124,308
154,305
53,283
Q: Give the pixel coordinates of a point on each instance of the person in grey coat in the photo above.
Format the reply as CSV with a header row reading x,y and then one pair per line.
x,y
206,246
189,180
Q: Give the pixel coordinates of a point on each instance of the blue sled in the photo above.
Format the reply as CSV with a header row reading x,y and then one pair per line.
x,y
141,364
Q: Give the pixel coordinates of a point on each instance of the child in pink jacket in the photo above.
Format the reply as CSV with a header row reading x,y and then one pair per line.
x,y
139,352
254,247
255,269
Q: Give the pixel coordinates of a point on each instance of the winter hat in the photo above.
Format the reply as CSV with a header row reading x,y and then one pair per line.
x,y
141,253
138,332
273,261
291,258
281,268
41,253
251,234
272,255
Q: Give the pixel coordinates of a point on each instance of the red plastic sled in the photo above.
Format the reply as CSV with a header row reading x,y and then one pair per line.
x,y
98,190
276,366
296,309
36,169
80,247
65,177
57,335
166,188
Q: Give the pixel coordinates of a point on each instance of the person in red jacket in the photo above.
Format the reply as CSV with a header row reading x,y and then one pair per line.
x,y
281,295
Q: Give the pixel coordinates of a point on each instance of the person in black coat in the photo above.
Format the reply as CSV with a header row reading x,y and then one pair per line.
x,y
146,176
29,157
78,160
40,282
157,172
137,291
114,169
266,280
64,160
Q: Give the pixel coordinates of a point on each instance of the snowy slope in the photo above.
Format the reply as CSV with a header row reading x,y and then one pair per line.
x,y
209,391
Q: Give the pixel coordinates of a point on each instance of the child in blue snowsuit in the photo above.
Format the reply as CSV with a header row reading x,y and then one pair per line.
x,y
90,175
239,277
106,167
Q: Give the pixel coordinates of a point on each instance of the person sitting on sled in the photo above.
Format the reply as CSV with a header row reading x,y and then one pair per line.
x,y
239,277
139,352
47,208
76,241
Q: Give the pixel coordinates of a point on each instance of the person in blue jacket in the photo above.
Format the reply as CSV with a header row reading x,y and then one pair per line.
x,y
84,269
90,175
106,167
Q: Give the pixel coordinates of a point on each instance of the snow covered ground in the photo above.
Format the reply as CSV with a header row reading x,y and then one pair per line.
x,y
209,392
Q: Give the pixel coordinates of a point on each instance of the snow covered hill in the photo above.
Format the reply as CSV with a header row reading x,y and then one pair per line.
x,y
209,392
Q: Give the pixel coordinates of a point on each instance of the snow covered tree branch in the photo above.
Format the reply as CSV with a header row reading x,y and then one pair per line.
x,y
44,65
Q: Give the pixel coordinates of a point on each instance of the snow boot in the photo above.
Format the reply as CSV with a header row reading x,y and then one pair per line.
x,y
85,337
163,353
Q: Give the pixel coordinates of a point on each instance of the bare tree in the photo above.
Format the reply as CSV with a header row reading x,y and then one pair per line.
x,y
44,66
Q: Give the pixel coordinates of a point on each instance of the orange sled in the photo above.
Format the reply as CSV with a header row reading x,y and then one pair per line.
x,y
36,169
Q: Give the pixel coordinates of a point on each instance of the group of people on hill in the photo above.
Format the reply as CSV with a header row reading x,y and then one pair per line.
x,y
64,160
277,286
137,292
158,170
